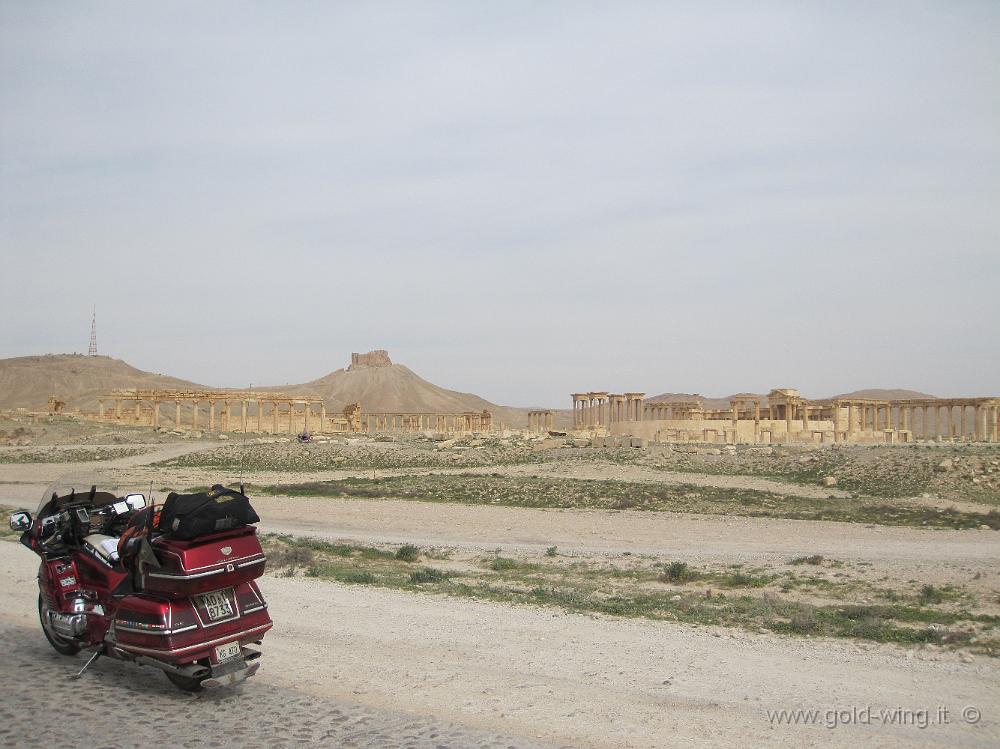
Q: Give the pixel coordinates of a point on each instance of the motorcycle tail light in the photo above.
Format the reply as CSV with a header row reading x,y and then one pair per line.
x,y
249,599
141,621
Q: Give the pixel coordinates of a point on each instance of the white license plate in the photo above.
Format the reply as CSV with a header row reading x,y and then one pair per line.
x,y
217,605
225,652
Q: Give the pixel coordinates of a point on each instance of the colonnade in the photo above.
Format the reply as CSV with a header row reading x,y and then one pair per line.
x,y
938,418
257,411
471,421
602,409
679,410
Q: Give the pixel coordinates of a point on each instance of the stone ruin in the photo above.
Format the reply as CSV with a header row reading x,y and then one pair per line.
x,y
376,358
788,417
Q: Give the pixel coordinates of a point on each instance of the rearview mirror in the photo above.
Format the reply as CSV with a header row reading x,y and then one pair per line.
x,y
20,521
135,501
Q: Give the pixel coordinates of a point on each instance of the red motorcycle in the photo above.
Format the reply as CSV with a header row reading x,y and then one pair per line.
x,y
178,595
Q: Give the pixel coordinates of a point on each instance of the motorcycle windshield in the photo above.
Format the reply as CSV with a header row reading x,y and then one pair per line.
x,y
78,485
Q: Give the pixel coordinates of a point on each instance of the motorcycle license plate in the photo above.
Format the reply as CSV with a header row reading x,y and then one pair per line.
x,y
217,605
226,652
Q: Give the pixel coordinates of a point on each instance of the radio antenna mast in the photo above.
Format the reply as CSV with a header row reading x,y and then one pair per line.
x,y
92,351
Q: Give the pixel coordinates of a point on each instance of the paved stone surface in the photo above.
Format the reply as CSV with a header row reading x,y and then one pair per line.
x,y
119,704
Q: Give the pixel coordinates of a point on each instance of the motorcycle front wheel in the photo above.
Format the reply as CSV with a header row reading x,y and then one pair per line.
x,y
61,644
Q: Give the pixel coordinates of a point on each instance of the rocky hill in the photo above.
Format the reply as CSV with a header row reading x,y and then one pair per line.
x,y
379,385
885,394
28,381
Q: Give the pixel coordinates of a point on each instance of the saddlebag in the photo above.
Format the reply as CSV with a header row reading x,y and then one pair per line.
x,y
189,516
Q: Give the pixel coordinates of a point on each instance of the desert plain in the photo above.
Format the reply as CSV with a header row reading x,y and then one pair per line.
x,y
516,590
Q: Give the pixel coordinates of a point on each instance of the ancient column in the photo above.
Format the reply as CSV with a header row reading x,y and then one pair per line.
x,y
260,416
156,414
850,420
274,417
177,414
211,416
805,419
138,410
100,410
194,415
788,422
322,416
118,408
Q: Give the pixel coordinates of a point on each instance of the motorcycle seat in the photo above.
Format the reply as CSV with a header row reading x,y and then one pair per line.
x,y
105,547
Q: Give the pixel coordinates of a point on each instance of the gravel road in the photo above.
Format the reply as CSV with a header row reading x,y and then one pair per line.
x,y
366,664
42,705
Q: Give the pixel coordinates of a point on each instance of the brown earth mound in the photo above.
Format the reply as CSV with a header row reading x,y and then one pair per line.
x,y
394,387
28,381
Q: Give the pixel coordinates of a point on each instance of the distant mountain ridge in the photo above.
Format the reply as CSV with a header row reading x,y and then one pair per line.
x,y
882,394
379,385
372,380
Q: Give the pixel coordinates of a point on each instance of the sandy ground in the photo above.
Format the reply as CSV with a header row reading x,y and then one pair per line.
x,y
557,678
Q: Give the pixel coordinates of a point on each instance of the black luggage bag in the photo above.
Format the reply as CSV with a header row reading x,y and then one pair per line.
x,y
189,516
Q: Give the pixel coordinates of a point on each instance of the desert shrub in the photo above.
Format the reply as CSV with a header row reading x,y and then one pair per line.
x,y
407,553
291,556
676,572
930,594
743,580
815,559
499,564
551,551
357,577
428,575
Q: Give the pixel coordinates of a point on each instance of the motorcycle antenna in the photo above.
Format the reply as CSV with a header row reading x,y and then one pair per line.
x,y
243,452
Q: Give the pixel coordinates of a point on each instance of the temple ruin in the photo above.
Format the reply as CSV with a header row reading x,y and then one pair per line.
x,y
541,421
788,417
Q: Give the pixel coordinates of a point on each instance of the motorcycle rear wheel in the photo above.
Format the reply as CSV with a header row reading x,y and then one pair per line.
x,y
61,644
187,683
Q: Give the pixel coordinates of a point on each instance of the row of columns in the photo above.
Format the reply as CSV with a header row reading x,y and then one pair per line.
x,y
677,410
302,421
541,421
927,420
603,409
421,422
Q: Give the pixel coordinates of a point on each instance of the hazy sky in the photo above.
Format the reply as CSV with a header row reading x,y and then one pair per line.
x,y
516,199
